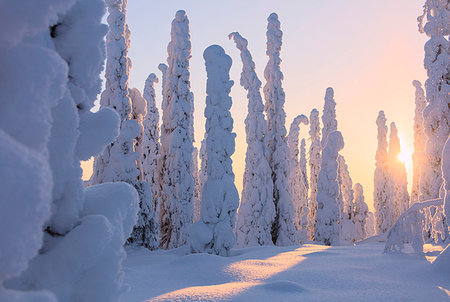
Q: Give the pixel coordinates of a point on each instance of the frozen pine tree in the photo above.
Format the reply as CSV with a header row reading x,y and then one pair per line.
x,y
436,115
197,191
370,225
346,202
382,196
175,159
397,173
328,116
151,145
314,167
360,212
139,110
419,143
220,199
256,212
303,163
283,229
327,226
297,187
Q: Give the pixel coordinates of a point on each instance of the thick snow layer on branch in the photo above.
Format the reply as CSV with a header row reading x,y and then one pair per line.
x,y
382,195
220,199
256,212
283,229
327,225
175,159
315,159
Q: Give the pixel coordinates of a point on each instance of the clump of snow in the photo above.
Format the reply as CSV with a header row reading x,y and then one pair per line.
x,y
327,226
257,211
283,228
220,199
175,159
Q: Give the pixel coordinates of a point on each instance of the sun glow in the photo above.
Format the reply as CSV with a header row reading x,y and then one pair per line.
x,y
406,155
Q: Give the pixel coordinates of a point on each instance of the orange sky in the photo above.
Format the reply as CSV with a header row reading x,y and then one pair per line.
x,y
369,52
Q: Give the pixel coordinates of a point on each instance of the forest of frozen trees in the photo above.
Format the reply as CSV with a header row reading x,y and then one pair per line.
x,y
65,240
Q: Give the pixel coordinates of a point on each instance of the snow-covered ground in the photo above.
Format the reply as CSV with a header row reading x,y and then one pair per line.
x,y
309,272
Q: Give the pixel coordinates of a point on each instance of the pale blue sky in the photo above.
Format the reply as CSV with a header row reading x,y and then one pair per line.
x,y
368,51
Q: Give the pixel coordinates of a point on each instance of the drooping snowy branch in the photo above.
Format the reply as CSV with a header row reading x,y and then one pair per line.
x,y
283,229
327,226
220,199
175,160
257,211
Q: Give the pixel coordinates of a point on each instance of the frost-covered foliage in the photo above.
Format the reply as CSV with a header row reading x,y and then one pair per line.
x,y
419,142
283,229
175,159
382,196
370,225
297,187
360,213
397,172
328,116
436,115
303,163
151,146
409,228
315,159
257,211
145,232
80,251
346,202
327,226
220,199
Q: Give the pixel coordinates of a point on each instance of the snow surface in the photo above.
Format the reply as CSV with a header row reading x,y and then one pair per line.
x,y
309,272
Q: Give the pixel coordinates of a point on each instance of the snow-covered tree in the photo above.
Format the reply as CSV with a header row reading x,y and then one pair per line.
x,y
315,159
175,160
346,202
382,196
283,229
139,110
360,212
397,172
419,142
256,213
436,115
151,145
297,186
220,199
76,249
328,116
370,225
327,226
197,191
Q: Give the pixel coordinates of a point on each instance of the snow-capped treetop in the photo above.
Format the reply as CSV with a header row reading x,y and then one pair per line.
x,y
381,154
292,138
139,104
328,116
118,64
163,68
149,89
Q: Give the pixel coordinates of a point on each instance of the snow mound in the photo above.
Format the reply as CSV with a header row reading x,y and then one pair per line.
x,y
284,286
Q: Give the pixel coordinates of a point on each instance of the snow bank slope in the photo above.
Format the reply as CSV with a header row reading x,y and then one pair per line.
x,y
296,273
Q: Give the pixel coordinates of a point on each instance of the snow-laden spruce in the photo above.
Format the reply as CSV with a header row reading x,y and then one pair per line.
x,y
346,202
329,121
315,159
397,172
327,226
257,211
151,145
197,191
360,213
297,187
81,254
283,228
175,159
220,199
418,157
382,194
303,163
145,232
202,176
436,115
